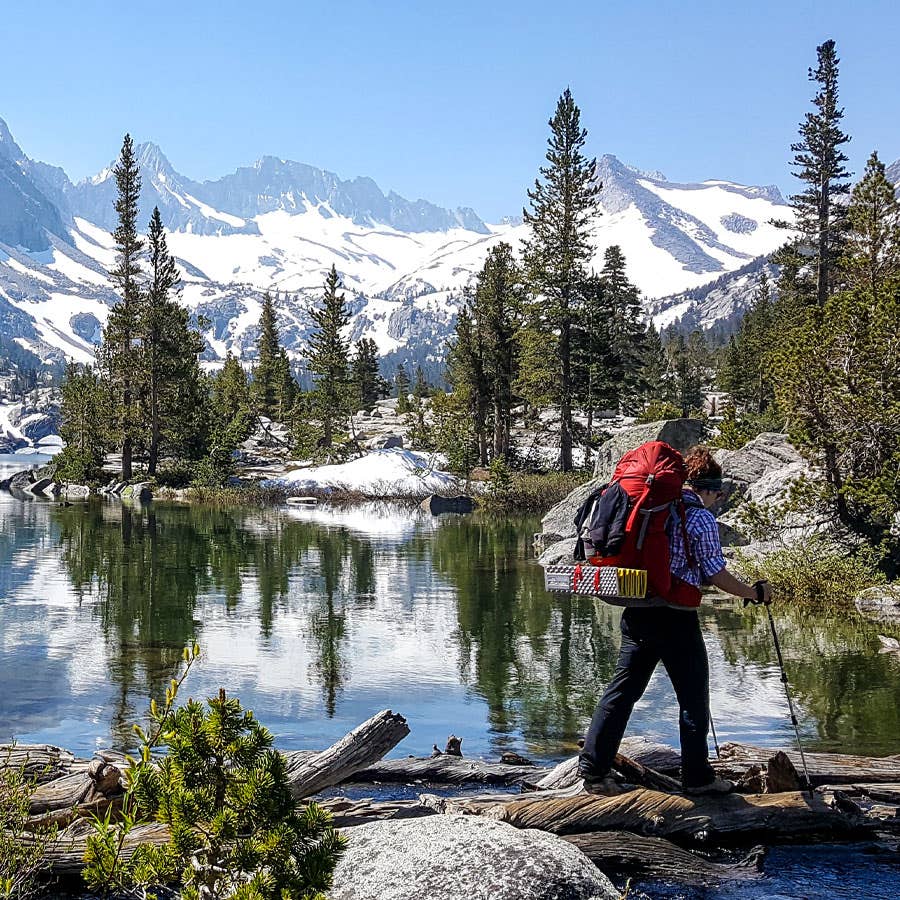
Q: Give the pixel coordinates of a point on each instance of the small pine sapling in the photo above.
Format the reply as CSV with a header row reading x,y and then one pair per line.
x,y
234,831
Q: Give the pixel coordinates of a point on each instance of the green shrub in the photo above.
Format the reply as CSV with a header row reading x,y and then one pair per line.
x,y
21,863
235,832
175,474
77,466
813,570
656,410
532,493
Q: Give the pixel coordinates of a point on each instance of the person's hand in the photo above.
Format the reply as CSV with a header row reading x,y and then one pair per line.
x,y
762,594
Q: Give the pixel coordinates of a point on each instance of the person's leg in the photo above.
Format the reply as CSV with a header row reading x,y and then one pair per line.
x,y
638,657
684,657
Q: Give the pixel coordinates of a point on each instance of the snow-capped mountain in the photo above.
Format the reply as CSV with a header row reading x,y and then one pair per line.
x,y
280,225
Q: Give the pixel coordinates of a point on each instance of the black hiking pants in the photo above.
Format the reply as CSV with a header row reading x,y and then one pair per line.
x,y
650,636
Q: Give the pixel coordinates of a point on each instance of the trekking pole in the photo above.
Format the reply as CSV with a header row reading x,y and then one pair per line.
x,y
787,693
712,726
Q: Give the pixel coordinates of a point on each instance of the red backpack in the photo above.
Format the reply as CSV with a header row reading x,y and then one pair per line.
x,y
627,526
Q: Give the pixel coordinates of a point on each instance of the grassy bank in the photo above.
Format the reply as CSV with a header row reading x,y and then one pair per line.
x,y
526,493
813,571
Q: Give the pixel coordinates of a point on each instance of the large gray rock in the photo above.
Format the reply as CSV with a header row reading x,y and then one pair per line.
x,y
761,472
680,433
880,604
763,469
453,857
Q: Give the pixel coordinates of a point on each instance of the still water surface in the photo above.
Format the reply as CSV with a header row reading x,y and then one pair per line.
x,y
319,618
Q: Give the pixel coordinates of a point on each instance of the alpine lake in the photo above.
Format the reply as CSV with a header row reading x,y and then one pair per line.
x,y
317,618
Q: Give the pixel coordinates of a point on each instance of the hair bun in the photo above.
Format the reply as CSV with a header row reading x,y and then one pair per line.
x,y
699,463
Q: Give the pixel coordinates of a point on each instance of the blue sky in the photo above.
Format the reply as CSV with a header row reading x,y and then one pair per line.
x,y
444,101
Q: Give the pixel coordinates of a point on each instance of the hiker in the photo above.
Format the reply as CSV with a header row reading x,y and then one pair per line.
x,y
671,635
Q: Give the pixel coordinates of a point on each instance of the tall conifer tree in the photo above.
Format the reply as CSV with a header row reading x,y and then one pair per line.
x,y
329,358
365,375
120,350
497,308
563,204
819,162
872,258
168,371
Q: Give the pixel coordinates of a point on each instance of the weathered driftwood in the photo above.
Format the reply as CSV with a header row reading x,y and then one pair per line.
x,y
624,853
659,758
719,820
362,747
446,769
347,813
824,768
40,762
65,855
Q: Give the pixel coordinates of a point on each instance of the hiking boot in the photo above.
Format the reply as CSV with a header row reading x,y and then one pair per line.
x,y
602,785
716,786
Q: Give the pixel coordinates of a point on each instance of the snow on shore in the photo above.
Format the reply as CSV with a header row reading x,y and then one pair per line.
x,y
380,473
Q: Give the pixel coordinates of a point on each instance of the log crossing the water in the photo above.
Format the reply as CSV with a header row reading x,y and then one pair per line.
x,y
648,831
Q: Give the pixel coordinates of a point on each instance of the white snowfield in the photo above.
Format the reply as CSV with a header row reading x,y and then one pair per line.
x,y
380,473
405,286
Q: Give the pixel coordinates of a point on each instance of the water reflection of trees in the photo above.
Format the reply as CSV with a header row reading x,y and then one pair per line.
x,y
848,689
537,660
148,565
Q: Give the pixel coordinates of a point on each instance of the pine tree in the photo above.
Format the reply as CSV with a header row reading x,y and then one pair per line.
x,y
85,421
653,366
168,372
688,365
819,160
266,374
467,376
329,358
401,386
120,351
365,375
497,310
872,250
563,206
745,368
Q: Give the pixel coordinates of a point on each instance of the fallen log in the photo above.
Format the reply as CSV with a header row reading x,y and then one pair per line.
x,y
64,856
446,769
40,762
824,768
347,813
658,758
733,818
626,854
362,747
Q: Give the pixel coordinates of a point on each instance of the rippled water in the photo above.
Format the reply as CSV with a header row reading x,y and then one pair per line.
x,y
318,618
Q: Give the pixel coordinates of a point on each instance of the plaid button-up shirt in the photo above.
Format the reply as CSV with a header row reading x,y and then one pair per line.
x,y
703,535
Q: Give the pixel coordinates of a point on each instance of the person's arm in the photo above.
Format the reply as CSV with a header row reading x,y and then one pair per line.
x,y
707,548
727,582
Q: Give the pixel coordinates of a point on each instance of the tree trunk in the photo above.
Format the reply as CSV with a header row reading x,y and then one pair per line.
x,y
565,395
153,453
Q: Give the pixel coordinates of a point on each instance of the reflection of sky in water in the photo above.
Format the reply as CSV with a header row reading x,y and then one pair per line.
x,y
444,622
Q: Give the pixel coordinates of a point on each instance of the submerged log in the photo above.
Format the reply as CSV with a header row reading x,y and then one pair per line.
x,y
624,853
720,820
824,768
362,747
